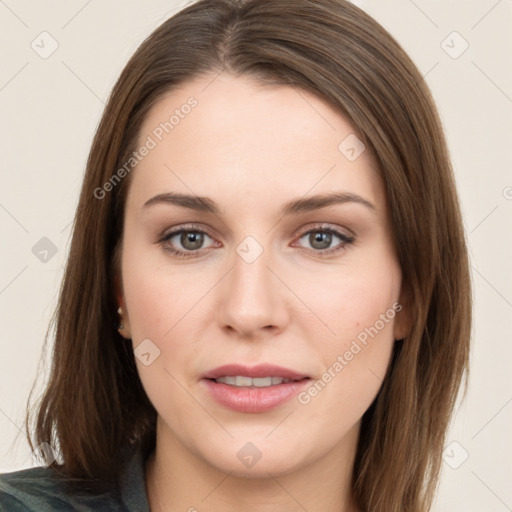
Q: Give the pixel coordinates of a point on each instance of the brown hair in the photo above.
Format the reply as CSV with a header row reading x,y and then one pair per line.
x,y
94,403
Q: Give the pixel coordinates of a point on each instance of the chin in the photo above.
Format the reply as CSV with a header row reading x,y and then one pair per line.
x,y
246,460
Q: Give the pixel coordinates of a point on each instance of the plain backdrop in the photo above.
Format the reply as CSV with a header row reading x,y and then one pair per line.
x,y
50,106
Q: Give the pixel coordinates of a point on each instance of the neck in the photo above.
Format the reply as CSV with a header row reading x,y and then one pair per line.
x,y
179,480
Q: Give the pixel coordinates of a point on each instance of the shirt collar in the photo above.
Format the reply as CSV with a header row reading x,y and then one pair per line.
x,y
132,483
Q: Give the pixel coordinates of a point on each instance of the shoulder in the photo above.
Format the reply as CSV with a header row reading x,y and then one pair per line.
x,y
30,490
41,490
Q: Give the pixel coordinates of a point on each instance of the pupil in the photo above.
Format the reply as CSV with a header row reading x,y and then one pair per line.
x,y
320,240
192,240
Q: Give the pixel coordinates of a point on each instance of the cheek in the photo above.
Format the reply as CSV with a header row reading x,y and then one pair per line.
x,y
346,301
159,296
354,340
170,307
164,309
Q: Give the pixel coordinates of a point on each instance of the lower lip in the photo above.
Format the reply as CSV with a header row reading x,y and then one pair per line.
x,y
254,399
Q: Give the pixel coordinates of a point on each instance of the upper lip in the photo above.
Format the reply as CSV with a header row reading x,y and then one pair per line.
x,y
260,370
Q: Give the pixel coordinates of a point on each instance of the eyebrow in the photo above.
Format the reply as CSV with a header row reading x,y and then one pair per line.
x,y
296,206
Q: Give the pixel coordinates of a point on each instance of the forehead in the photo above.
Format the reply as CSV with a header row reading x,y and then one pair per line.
x,y
236,138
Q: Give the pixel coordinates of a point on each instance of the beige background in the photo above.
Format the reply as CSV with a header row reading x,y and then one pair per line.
x,y
50,108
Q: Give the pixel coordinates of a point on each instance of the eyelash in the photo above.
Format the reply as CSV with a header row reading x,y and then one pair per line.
x,y
346,240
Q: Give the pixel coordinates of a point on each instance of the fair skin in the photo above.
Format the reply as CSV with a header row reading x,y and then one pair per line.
x,y
252,149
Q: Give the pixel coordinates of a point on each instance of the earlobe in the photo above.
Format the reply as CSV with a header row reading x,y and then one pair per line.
x,y
400,330
402,324
118,292
122,325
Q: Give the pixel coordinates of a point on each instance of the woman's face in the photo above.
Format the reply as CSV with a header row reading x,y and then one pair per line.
x,y
256,234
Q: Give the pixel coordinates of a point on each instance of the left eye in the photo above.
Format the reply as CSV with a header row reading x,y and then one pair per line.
x,y
322,239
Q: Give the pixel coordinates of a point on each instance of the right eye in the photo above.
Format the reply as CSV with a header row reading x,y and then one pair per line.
x,y
187,242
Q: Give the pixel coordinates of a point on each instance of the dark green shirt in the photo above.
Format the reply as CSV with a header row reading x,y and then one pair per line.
x,y
39,490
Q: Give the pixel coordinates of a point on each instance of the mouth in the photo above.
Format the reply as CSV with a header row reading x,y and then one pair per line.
x,y
240,381
246,375
253,389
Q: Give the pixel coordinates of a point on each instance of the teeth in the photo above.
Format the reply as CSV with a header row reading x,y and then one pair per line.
x,y
259,382
263,382
243,381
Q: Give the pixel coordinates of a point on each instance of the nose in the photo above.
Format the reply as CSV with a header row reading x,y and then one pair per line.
x,y
252,301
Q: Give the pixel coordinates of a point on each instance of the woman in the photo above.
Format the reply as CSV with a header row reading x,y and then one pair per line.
x,y
267,303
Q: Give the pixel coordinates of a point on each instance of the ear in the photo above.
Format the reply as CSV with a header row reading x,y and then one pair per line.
x,y
118,291
403,321
122,312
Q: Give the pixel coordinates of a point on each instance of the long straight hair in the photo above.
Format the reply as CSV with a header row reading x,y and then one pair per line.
x,y
94,404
